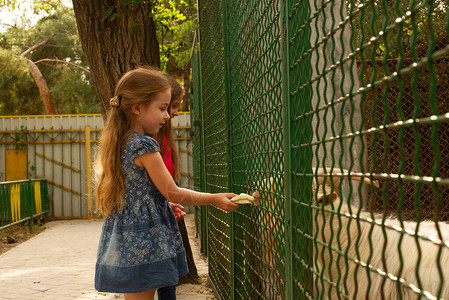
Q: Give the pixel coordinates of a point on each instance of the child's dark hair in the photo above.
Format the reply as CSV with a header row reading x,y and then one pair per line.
x,y
137,86
177,90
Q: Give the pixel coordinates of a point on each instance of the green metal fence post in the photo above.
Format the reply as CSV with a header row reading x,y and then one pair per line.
x,y
204,235
44,196
301,134
356,90
23,202
30,203
202,153
287,152
229,150
198,147
26,211
4,209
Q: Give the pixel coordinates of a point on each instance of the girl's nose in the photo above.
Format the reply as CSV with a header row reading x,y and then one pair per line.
x,y
166,116
174,112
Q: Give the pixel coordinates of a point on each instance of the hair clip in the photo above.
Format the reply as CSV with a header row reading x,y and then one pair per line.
x,y
114,101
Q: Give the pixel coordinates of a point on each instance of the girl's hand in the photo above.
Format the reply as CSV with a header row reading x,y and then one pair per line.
x,y
177,210
222,201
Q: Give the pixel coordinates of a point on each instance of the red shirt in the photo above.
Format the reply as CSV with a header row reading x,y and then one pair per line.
x,y
168,161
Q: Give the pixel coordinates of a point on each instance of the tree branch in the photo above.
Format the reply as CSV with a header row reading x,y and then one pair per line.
x,y
43,89
27,51
62,62
39,79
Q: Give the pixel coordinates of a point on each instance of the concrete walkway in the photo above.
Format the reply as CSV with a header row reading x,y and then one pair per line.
x,y
59,263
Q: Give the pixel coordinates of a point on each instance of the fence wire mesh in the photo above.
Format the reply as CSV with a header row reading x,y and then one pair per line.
x,y
197,155
411,139
256,123
337,113
215,143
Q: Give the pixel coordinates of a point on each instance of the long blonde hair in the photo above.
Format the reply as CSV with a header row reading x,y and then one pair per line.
x,y
139,86
176,91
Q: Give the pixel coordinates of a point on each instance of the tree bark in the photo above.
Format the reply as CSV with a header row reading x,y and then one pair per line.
x,y
43,88
115,42
40,80
115,39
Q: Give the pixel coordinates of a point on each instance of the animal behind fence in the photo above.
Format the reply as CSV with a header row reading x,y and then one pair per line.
x,y
360,255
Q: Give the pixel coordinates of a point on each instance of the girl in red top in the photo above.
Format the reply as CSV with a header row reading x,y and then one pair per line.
x,y
171,161
167,142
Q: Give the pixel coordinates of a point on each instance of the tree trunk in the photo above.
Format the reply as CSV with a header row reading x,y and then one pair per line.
x,y
115,38
114,42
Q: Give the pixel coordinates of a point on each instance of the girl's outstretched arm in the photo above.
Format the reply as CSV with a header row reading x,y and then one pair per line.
x,y
160,176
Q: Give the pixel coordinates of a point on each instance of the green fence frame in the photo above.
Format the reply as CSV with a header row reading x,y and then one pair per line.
x,y
337,113
196,119
28,210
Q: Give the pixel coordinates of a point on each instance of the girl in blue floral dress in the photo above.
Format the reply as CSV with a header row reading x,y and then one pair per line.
x,y
140,248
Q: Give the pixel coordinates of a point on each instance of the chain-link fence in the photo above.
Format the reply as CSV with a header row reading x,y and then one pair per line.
x,y
336,112
214,128
413,141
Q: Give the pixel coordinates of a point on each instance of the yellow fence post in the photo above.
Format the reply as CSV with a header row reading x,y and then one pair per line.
x,y
37,197
88,171
15,202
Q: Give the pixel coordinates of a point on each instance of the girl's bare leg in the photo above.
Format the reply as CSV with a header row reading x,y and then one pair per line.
x,y
148,295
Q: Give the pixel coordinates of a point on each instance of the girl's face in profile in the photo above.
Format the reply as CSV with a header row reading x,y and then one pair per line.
x,y
150,118
174,107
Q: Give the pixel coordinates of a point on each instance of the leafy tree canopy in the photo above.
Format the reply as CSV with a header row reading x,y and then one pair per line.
x,y
71,88
61,61
176,22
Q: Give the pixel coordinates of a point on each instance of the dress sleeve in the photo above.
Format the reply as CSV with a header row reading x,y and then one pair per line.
x,y
144,144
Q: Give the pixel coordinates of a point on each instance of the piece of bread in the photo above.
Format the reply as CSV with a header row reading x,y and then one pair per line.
x,y
243,199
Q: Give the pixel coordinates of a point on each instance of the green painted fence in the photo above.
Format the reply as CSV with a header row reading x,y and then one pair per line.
x,y
22,200
337,113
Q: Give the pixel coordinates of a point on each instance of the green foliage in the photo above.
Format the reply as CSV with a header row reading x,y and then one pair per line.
x,y
73,91
135,27
8,3
125,7
71,88
380,15
176,21
36,5
17,88
21,138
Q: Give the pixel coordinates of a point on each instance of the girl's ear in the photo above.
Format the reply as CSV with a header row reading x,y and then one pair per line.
x,y
135,108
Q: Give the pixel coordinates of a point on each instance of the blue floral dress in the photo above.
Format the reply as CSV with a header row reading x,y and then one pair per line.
x,y
140,248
